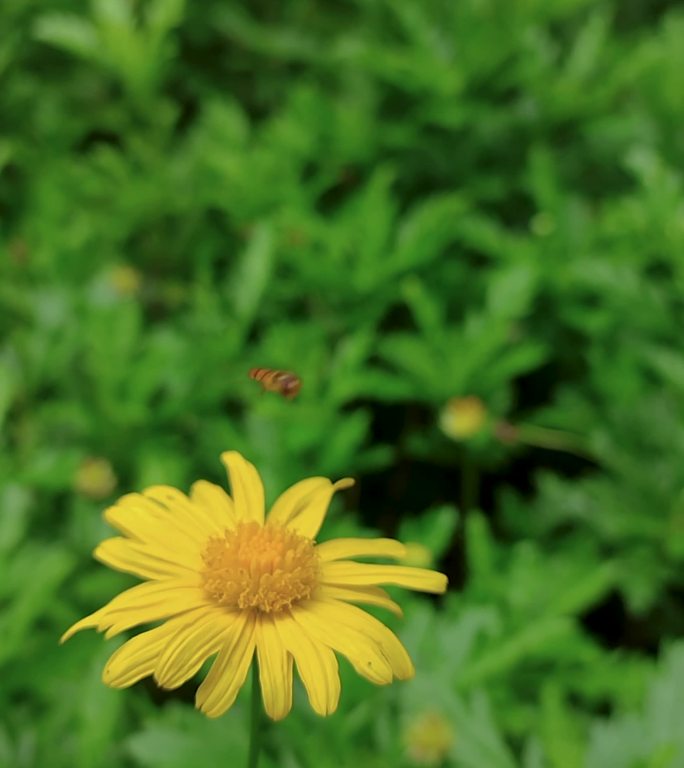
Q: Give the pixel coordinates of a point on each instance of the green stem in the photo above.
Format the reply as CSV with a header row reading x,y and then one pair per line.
x,y
255,724
470,484
552,439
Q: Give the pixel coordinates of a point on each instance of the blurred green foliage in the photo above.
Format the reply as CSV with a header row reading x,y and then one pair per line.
x,y
405,203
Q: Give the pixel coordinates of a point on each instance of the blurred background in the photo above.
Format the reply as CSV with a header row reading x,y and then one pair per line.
x,y
462,224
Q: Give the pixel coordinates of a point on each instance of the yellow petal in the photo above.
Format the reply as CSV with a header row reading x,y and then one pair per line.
x,y
247,488
145,560
351,574
362,651
367,625
216,503
227,674
136,517
142,604
338,549
303,506
177,510
160,514
138,657
291,502
363,595
192,644
316,665
275,669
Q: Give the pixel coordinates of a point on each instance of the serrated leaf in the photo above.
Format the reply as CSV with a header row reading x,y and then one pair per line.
x,y
409,353
653,737
426,231
427,310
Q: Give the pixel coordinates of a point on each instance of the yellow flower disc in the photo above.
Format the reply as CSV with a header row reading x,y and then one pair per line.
x,y
264,567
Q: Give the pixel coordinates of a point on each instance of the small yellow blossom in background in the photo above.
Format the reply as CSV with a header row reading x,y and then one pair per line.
x,y
125,280
417,555
225,579
462,417
429,738
95,478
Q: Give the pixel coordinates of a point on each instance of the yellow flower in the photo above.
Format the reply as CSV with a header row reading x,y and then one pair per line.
x,y
95,478
226,581
462,417
429,738
125,280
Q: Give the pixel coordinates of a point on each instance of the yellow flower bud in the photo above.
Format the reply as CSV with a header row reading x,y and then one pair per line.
x,y
125,280
463,417
428,738
95,478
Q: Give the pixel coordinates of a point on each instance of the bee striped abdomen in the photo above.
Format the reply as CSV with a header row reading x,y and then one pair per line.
x,y
285,383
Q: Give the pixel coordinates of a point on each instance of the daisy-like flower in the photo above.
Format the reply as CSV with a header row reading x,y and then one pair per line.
x,y
225,580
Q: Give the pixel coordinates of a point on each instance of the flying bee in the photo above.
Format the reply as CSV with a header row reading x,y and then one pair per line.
x,y
285,383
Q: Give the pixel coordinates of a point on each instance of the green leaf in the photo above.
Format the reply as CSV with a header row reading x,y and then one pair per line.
x,y
15,503
561,733
514,650
652,737
433,528
29,591
180,737
71,33
511,290
98,711
425,232
251,275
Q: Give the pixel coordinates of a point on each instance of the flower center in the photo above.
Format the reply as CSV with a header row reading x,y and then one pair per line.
x,y
268,568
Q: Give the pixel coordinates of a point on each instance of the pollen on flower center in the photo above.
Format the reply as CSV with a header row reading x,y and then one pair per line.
x,y
267,568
